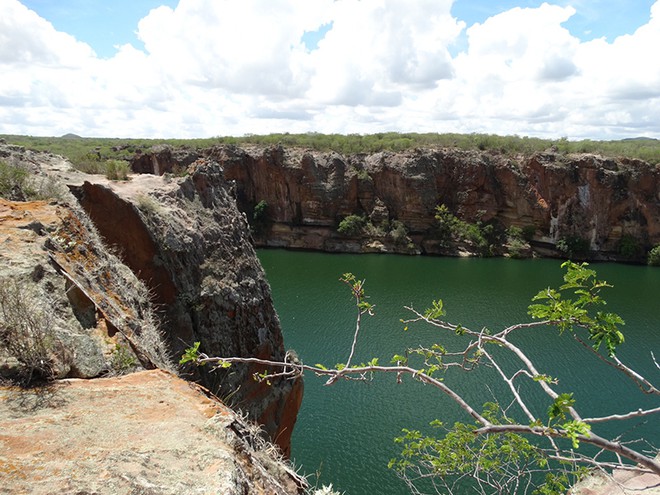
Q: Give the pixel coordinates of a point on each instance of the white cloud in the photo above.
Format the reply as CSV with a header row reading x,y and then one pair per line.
x,y
212,67
26,38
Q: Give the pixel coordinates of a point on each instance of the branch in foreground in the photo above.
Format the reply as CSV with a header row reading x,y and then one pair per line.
x,y
296,369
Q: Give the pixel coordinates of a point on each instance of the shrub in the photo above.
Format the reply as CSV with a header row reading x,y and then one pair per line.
x,y
116,169
654,256
18,184
446,223
514,232
260,214
147,204
123,360
573,246
27,332
14,182
352,225
629,246
517,248
399,232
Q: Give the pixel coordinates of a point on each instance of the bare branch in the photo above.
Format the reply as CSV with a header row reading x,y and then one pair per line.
x,y
512,388
632,414
643,384
335,374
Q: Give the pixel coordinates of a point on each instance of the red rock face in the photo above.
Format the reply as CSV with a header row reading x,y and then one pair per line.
x,y
187,241
585,196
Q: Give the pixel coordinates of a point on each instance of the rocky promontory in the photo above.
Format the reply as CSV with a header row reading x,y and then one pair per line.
x,y
101,279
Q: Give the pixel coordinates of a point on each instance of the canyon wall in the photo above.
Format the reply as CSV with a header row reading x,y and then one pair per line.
x,y
597,200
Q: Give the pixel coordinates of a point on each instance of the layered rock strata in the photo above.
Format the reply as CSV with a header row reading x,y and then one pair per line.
x,y
598,200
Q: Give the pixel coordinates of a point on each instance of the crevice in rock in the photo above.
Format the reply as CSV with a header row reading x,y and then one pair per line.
x,y
122,228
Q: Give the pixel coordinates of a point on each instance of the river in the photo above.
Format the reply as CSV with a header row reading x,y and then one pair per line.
x,y
345,432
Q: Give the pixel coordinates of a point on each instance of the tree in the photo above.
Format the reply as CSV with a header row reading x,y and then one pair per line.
x,y
654,256
507,445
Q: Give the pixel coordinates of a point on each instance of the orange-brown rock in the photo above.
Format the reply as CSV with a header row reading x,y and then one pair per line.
x,y
147,432
561,196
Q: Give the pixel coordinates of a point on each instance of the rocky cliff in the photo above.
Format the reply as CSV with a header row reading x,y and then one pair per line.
x,y
121,276
556,198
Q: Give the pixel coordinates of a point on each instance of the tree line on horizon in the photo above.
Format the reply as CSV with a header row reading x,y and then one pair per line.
x,y
79,149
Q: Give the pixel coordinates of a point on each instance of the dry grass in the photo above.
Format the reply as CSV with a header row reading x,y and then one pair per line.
x,y
27,331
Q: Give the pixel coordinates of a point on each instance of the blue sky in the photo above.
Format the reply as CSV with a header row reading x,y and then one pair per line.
x,y
105,24
187,68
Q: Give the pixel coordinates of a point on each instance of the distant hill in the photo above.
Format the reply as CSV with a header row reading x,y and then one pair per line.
x,y
71,136
641,138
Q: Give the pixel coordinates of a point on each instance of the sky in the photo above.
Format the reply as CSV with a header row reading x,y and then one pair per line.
x,y
581,69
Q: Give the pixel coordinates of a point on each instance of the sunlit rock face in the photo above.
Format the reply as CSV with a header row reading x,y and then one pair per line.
x,y
188,242
146,432
597,200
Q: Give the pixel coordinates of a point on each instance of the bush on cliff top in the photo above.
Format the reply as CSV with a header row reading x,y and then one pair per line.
x,y
86,152
18,184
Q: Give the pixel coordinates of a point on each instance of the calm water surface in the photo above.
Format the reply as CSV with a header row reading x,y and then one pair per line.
x,y
345,432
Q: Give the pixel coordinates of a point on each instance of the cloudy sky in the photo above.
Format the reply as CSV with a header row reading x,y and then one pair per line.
x,y
202,68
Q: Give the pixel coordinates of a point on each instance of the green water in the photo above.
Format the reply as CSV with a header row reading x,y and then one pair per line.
x,y
344,432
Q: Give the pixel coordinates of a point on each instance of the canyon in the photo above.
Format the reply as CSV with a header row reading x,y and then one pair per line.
x,y
128,274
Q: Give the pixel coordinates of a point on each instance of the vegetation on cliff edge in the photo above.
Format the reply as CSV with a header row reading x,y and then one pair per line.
x,y
87,151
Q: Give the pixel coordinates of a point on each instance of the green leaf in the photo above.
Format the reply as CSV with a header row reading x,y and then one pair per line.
x,y
573,429
435,311
560,406
191,354
397,358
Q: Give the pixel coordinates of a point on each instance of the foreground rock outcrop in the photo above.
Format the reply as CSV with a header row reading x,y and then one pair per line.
x,y
147,433
125,275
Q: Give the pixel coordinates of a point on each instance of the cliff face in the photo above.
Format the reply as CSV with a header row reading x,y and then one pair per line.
x,y
180,261
588,197
189,244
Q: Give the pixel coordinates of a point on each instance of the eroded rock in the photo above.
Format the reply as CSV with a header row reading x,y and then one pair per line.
x,y
147,432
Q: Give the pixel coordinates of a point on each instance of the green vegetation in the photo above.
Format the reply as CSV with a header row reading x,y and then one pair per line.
x,y
122,360
517,241
481,237
27,332
630,247
116,169
260,217
18,184
654,256
260,214
14,182
352,225
85,152
573,246
359,225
